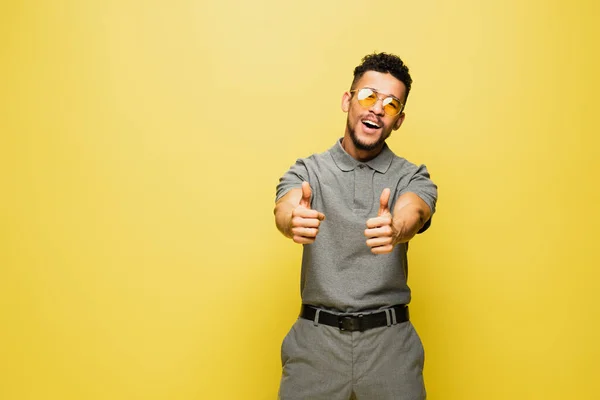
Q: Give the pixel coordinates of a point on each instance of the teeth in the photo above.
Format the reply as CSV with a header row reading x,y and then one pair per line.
x,y
370,123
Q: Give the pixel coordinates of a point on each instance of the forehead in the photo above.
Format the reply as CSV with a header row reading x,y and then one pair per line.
x,y
384,83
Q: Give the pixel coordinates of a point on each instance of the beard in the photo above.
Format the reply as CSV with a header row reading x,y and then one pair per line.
x,y
362,145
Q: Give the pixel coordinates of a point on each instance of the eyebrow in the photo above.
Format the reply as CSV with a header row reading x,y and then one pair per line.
x,y
384,94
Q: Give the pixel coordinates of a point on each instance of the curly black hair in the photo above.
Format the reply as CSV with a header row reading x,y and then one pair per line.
x,y
386,63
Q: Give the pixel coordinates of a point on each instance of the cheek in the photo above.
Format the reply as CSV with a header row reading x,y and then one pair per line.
x,y
355,114
392,124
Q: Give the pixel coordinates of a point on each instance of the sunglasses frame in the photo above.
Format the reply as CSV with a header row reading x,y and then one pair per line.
x,y
379,98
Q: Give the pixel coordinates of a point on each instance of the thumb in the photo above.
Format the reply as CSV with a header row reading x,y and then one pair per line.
x,y
306,193
383,202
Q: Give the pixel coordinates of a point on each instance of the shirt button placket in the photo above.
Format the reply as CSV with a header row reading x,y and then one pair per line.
x,y
363,182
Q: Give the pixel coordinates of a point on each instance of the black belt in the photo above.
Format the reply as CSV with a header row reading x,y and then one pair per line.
x,y
356,321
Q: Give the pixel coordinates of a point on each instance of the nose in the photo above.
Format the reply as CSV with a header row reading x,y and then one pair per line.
x,y
378,107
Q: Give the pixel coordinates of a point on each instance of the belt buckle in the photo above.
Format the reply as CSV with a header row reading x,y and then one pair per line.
x,y
350,323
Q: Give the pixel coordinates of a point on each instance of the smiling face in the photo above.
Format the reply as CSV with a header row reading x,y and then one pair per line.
x,y
368,128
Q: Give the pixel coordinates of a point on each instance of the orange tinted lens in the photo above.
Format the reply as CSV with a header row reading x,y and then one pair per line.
x,y
391,106
366,97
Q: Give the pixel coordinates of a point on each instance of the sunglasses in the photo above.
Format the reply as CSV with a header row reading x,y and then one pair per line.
x,y
367,98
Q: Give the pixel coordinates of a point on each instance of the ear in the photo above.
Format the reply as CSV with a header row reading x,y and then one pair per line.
x,y
346,102
399,121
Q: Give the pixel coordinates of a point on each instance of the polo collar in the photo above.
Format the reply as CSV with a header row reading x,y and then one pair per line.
x,y
346,162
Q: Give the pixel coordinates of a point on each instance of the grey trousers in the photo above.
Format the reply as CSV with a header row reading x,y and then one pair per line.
x,y
322,362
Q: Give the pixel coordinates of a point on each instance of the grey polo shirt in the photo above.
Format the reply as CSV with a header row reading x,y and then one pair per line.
x,y
339,272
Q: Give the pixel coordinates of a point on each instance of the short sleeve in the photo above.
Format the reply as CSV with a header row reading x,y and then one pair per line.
x,y
421,184
292,179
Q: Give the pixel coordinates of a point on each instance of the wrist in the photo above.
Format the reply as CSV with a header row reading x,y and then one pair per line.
x,y
287,232
283,219
397,236
403,229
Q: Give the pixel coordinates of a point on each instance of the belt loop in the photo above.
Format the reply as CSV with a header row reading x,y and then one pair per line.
x,y
316,321
394,321
387,317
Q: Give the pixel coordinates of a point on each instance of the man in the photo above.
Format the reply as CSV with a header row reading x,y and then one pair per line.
x,y
354,208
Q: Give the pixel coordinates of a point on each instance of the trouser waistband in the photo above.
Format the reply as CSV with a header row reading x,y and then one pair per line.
x,y
356,321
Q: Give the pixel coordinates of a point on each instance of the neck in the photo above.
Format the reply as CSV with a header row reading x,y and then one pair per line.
x,y
359,154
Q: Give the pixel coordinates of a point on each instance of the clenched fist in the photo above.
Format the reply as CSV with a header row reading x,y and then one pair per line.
x,y
380,231
305,222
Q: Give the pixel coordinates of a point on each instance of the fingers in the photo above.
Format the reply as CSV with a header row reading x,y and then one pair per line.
x,y
305,232
380,244
379,232
299,222
305,228
305,221
306,194
379,241
302,239
382,249
384,199
303,212
379,221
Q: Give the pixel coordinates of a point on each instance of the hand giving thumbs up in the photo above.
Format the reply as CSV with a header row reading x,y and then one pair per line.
x,y
305,222
380,231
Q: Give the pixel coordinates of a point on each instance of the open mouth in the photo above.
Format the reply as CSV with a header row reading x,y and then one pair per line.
x,y
370,124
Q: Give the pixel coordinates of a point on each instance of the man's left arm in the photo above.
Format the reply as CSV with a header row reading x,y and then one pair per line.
x,y
409,216
385,231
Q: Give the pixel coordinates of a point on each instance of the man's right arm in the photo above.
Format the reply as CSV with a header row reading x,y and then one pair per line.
x,y
294,217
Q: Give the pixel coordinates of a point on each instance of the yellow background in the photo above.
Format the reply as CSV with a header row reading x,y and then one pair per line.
x,y
140,146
